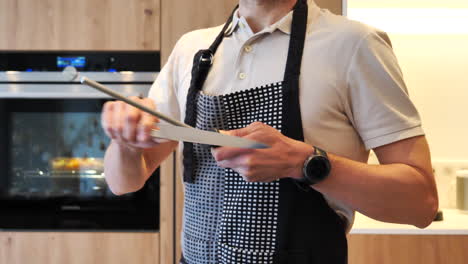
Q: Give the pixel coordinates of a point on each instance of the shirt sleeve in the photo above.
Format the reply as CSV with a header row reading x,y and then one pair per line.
x,y
381,110
164,89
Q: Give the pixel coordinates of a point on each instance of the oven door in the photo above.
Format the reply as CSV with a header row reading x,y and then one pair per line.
x,y
52,175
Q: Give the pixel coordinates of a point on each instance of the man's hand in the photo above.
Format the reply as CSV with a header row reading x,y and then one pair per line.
x,y
284,159
132,156
129,126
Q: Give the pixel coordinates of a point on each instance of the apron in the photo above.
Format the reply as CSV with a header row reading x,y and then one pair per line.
x,y
228,220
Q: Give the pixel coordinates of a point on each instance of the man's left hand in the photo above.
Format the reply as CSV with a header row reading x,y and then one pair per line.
x,y
285,157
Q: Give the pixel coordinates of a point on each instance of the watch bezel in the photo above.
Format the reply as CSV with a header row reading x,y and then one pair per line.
x,y
317,167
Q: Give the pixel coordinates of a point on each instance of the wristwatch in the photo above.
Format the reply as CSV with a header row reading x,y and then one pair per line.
x,y
316,167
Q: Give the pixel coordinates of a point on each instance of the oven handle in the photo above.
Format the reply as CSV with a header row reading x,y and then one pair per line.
x,y
47,91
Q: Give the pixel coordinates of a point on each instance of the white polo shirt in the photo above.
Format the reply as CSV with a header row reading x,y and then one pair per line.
x,y
352,94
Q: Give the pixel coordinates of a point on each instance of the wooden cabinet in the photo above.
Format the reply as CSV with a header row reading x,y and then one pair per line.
x,y
181,16
80,25
408,249
110,24
79,248
335,6
98,247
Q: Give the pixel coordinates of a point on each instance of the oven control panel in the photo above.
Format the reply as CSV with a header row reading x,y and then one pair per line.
x,y
96,61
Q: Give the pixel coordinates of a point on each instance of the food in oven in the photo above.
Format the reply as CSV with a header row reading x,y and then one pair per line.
x,y
76,164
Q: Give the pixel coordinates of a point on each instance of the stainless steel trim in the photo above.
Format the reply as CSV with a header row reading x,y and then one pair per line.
x,y
70,207
9,76
68,90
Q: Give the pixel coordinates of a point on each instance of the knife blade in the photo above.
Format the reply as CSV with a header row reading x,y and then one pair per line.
x,y
193,135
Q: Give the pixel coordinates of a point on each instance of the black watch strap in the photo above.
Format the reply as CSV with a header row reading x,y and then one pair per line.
x,y
308,178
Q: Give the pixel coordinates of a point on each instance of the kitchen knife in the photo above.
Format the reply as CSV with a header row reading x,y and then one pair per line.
x,y
193,135
178,131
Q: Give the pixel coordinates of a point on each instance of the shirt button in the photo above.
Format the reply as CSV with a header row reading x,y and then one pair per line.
x,y
242,76
248,48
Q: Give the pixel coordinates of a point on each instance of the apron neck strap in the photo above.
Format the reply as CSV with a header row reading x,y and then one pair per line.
x,y
205,57
296,41
214,46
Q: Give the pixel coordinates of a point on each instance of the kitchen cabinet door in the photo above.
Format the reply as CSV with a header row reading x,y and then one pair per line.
x,y
408,249
79,25
79,248
182,16
335,6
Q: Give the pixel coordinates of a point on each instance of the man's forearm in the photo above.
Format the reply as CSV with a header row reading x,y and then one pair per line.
x,y
397,193
402,191
127,169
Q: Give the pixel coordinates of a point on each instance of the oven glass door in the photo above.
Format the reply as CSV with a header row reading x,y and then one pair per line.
x,y
52,174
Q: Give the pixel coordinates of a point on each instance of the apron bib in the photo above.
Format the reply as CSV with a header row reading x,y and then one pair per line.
x,y
229,220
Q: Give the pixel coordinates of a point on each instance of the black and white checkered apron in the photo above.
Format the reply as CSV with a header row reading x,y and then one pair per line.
x,y
229,220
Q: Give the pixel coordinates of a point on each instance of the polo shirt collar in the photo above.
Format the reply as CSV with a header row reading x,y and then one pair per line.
x,y
284,24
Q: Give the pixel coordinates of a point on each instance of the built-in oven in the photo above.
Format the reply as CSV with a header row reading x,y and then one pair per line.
x,y
52,144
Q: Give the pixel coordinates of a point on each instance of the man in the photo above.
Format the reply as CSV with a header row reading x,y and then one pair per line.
x,y
321,91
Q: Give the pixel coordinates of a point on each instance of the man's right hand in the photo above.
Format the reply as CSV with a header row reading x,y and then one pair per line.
x,y
129,126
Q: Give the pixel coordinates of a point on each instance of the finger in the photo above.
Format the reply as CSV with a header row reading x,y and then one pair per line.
x,y
118,120
242,132
106,118
233,163
226,153
160,140
254,175
147,122
132,117
247,175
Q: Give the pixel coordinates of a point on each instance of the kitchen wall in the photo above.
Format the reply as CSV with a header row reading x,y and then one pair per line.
x,y
430,40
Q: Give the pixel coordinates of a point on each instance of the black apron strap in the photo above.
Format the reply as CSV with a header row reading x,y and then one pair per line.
x,y
314,225
291,111
202,62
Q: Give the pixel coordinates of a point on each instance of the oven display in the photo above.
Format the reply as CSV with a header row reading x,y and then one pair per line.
x,y
78,62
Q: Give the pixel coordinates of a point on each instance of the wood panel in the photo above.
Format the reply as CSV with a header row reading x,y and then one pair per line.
x,y
179,207
80,25
79,248
181,16
335,6
408,249
167,207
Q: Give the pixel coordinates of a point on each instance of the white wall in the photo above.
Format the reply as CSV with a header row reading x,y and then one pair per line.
x,y
430,39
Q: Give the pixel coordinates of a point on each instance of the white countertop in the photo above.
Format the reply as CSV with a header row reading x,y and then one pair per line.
x,y
454,223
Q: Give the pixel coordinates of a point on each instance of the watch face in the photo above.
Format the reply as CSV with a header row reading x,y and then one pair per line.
x,y
318,168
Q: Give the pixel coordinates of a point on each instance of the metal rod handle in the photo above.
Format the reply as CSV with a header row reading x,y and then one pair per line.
x,y
104,89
